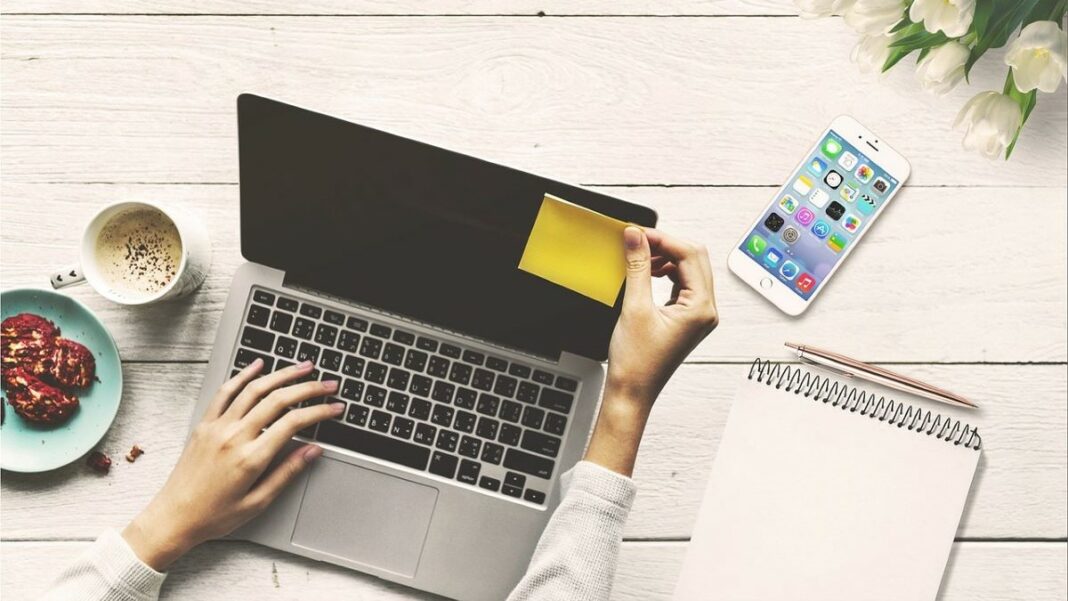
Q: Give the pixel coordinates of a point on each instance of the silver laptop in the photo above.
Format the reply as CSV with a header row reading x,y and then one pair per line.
x,y
470,385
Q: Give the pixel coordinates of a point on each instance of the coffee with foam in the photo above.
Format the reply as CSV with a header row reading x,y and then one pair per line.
x,y
139,252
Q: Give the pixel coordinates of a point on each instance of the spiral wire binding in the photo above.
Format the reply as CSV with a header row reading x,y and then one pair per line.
x,y
794,379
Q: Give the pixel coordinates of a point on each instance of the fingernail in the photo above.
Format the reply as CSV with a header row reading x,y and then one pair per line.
x,y
256,364
304,365
337,407
312,453
330,385
632,237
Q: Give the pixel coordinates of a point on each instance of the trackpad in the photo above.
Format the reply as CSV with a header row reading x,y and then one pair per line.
x,y
365,516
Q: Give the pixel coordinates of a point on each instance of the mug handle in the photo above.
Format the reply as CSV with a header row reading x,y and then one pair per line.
x,y
68,276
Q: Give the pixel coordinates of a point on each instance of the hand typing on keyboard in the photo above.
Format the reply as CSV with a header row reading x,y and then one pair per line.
x,y
219,481
650,341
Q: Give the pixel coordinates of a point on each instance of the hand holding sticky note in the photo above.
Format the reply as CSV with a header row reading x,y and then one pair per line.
x,y
576,248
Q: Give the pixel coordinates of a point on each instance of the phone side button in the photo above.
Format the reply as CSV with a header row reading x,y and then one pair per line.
x,y
765,283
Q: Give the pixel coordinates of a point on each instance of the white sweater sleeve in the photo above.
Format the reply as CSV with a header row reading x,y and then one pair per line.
x,y
576,557
107,571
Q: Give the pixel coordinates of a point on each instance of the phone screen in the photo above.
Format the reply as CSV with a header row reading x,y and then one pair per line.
x,y
819,214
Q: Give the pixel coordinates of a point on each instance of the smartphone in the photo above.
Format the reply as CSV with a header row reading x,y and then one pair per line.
x,y
819,215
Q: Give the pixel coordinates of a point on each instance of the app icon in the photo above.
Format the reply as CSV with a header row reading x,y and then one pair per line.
x,y
788,204
851,223
806,282
832,147
805,216
756,244
837,242
789,270
880,185
817,165
835,210
790,234
773,257
848,160
821,229
848,192
819,198
864,174
866,204
802,185
833,179
774,222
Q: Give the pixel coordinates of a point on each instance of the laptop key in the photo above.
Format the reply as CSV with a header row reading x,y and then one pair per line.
x,y
262,296
533,417
374,445
281,322
258,315
469,470
424,434
309,432
420,385
419,409
487,428
427,344
465,421
393,354
515,479
492,453
406,338
528,463
556,400
511,411
442,415
505,386
260,340
287,304
330,360
442,392
534,496
443,465
402,427
415,360
438,367
510,435
352,389
487,404
304,328
326,335
483,379
465,398
460,373
353,366
496,364
370,347
447,440
311,311
380,330
355,323
450,350
282,364
489,483
397,403
357,414
398,379
379,421
374,396
474,357
519,371
245,357
543,377
308,352
555,424
566,384
540,443
334,317
470,447
348,341
528,393
286,347
375,372
512,491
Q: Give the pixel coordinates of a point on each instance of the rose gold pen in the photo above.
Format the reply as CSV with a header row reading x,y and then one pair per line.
x,y
851,367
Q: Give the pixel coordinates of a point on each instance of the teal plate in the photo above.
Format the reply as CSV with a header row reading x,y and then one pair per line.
x,y
26,447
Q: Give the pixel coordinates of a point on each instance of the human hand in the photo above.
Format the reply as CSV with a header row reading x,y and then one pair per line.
x,y
650,341
219,481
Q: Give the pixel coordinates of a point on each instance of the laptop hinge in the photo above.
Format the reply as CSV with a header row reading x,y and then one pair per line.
x,y
425,324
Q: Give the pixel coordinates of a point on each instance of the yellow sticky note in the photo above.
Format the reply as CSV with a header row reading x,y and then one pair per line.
x,y
576,248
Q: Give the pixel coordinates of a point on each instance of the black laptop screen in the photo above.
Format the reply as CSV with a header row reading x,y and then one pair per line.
x,y
410,228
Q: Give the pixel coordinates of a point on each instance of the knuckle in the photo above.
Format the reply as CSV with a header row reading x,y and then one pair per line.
x,y
637,264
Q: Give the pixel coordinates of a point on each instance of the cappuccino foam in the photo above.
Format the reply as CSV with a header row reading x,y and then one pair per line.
x,y
139,252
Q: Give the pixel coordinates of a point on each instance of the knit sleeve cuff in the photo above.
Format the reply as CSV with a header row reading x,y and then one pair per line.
x,y
600,482
123,570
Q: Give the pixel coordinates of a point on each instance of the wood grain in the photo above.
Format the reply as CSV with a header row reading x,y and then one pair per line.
x,y
1020,488
592,100
1002,271
647,572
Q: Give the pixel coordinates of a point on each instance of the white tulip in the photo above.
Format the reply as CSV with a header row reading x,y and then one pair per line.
x,y
871,52
943,67
951,17
814,9
1039,57
874,17
990,122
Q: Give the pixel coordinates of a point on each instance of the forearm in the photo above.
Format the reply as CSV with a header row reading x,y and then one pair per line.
x,y
107,571
618,432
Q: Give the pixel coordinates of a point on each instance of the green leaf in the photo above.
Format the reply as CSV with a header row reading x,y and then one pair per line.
x,y
922,53
1045,10
981,17
903,23
1027,102
896,54
916,41
999,27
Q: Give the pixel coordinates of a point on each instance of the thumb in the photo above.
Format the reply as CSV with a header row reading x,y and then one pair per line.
x,y
276,480
639,291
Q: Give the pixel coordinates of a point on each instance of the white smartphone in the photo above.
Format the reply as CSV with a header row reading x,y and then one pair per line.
x,y
819,215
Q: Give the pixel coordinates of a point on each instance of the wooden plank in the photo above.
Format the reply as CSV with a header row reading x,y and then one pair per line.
x,y
1020,489
598,101
1002,271
384,7
646,572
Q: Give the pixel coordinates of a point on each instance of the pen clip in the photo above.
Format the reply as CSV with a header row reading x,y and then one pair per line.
x,y
830,368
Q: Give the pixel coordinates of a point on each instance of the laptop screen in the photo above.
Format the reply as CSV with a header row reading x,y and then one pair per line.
x,y
411,229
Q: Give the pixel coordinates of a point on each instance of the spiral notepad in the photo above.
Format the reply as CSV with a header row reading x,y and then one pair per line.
x,y
823,491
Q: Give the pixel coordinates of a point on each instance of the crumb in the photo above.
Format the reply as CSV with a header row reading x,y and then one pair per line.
x,y
100,462
134,453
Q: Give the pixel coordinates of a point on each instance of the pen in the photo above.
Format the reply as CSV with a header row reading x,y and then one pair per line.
x,y
851,367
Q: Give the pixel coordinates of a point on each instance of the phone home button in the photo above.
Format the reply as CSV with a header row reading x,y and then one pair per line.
x,y
765,283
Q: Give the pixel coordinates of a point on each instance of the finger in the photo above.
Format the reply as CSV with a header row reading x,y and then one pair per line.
x,y
287,426
260,388
639,290
275,404
691,260
271,485
231,387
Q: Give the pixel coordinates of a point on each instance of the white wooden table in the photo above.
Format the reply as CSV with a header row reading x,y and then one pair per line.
x,y
696,107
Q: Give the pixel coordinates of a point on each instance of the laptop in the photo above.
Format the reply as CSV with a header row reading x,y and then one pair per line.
x,y
470,385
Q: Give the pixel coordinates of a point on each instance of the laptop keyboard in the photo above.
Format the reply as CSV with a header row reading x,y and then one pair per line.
x,y
416,400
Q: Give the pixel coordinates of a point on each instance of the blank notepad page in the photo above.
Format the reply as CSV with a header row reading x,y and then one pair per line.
x,y
807,501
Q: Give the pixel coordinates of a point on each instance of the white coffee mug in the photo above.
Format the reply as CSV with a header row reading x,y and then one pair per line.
x,y
195,257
